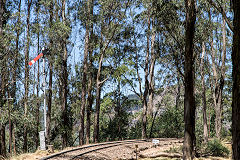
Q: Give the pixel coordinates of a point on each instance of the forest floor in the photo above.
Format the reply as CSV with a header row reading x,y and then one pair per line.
x,y
167,148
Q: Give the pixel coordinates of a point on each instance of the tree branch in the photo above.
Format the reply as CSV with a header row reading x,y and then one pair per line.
x,y
102,82
133,89
222,11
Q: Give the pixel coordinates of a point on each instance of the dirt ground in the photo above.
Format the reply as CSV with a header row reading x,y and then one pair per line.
x,y
167,148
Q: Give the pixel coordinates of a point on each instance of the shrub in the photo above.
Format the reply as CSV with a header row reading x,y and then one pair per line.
x,y
169,124
216,148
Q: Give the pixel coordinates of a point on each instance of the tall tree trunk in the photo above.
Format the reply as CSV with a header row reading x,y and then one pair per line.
x,y
222,77
2,11
98,96
204,104
38,102
146,89
14,140
64,85
26,84
90,78
2,124
178,91
13,92
219,86
37,86
49,103
236,81
89,107
218,82
84,79
3,140
9,124
156,113
189,99
151,72
99,83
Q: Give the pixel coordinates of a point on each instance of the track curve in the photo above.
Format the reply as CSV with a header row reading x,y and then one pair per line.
x,y
79,152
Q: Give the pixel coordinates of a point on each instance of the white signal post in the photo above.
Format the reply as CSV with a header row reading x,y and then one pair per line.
x,y
42,136
44,101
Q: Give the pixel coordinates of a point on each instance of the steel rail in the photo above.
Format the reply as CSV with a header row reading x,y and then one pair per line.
x,y
116,143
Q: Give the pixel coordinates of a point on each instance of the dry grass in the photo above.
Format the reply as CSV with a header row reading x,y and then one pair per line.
x,y
31,156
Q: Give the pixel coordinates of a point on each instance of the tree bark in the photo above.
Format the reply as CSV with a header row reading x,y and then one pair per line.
x,y
26,83
38,103
204,104
178,91
2,11
84,79
37,86
13,92
146,89
3,82
14,140
105,41
90,78
218,82
49,103
64,85
98,95
3,140
89,107
151,72
9,124
189,99
236,81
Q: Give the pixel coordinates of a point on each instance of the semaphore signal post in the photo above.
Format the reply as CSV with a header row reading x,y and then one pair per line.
x,y
42,134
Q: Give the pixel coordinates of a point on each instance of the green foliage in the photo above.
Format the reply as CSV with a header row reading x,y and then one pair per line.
x,y
117,128
114,122
169,124
135,131
216,148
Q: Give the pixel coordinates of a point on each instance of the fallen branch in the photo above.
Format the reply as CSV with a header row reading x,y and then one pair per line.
x,y
162,154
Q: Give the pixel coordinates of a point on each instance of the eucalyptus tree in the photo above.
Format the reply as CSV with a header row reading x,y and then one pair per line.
x,y
64,79
204,104
202,35
7,76
88,26
146,86
15,68
147,21
189,99
26,79
218,6
2,76
236,81
120,57
51,62
90,78
36,31
111,15
218,78
56,34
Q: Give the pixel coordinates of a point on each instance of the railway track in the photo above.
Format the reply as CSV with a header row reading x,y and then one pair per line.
x,y
80,152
